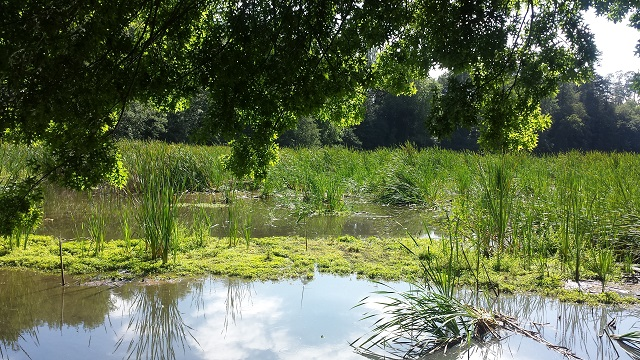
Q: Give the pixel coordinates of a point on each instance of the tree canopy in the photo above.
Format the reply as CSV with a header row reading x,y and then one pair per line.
x,y
68,69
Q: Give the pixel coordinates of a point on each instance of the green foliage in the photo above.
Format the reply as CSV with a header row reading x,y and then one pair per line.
x,y
97,227
141,122
21,209
496,205
306,134
69,71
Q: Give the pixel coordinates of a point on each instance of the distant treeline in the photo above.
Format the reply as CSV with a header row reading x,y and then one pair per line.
x,y
601,115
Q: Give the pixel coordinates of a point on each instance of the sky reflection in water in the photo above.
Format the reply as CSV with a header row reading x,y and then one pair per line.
x,y
234,319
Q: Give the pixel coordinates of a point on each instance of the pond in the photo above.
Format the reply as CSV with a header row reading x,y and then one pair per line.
x,y
215,318
67,214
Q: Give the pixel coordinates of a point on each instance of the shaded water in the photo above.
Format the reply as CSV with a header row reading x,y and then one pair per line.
x,y
67,214
233,319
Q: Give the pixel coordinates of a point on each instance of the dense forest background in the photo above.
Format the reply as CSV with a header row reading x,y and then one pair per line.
x,y
603,115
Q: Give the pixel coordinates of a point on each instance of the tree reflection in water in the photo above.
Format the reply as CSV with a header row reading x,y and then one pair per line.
x,y
30,300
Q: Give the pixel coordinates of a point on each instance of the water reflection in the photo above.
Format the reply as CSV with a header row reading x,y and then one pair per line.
x,y
238,292
30,300
156,328
234,319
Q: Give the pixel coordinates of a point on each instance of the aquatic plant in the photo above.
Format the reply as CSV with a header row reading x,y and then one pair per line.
x,y
158,216
96,225
496,203
201,226
412,177
230,197
423,320
576,218
186,167
247,227
429,316
126,229
629,342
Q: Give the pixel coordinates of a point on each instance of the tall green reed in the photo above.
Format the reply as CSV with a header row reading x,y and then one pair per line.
x,y
231,198
603,262
193,168
158,215
127,232
412,178
239,217
97,225
496,204
576,220
201,228
247,227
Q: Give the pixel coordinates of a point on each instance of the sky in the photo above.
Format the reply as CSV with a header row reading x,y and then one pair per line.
x,y
617,44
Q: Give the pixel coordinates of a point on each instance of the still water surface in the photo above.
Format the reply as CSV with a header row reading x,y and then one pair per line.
x,y
67,214
216,318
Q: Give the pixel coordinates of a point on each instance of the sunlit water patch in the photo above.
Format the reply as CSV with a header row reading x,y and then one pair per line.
x,y
234,319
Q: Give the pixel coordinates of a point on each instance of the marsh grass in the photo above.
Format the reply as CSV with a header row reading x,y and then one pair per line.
x,y
231,197
201,226
547,211
158,216
411,177
97,226
576,220
603,263
247,226
496,182
127,231
190,168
